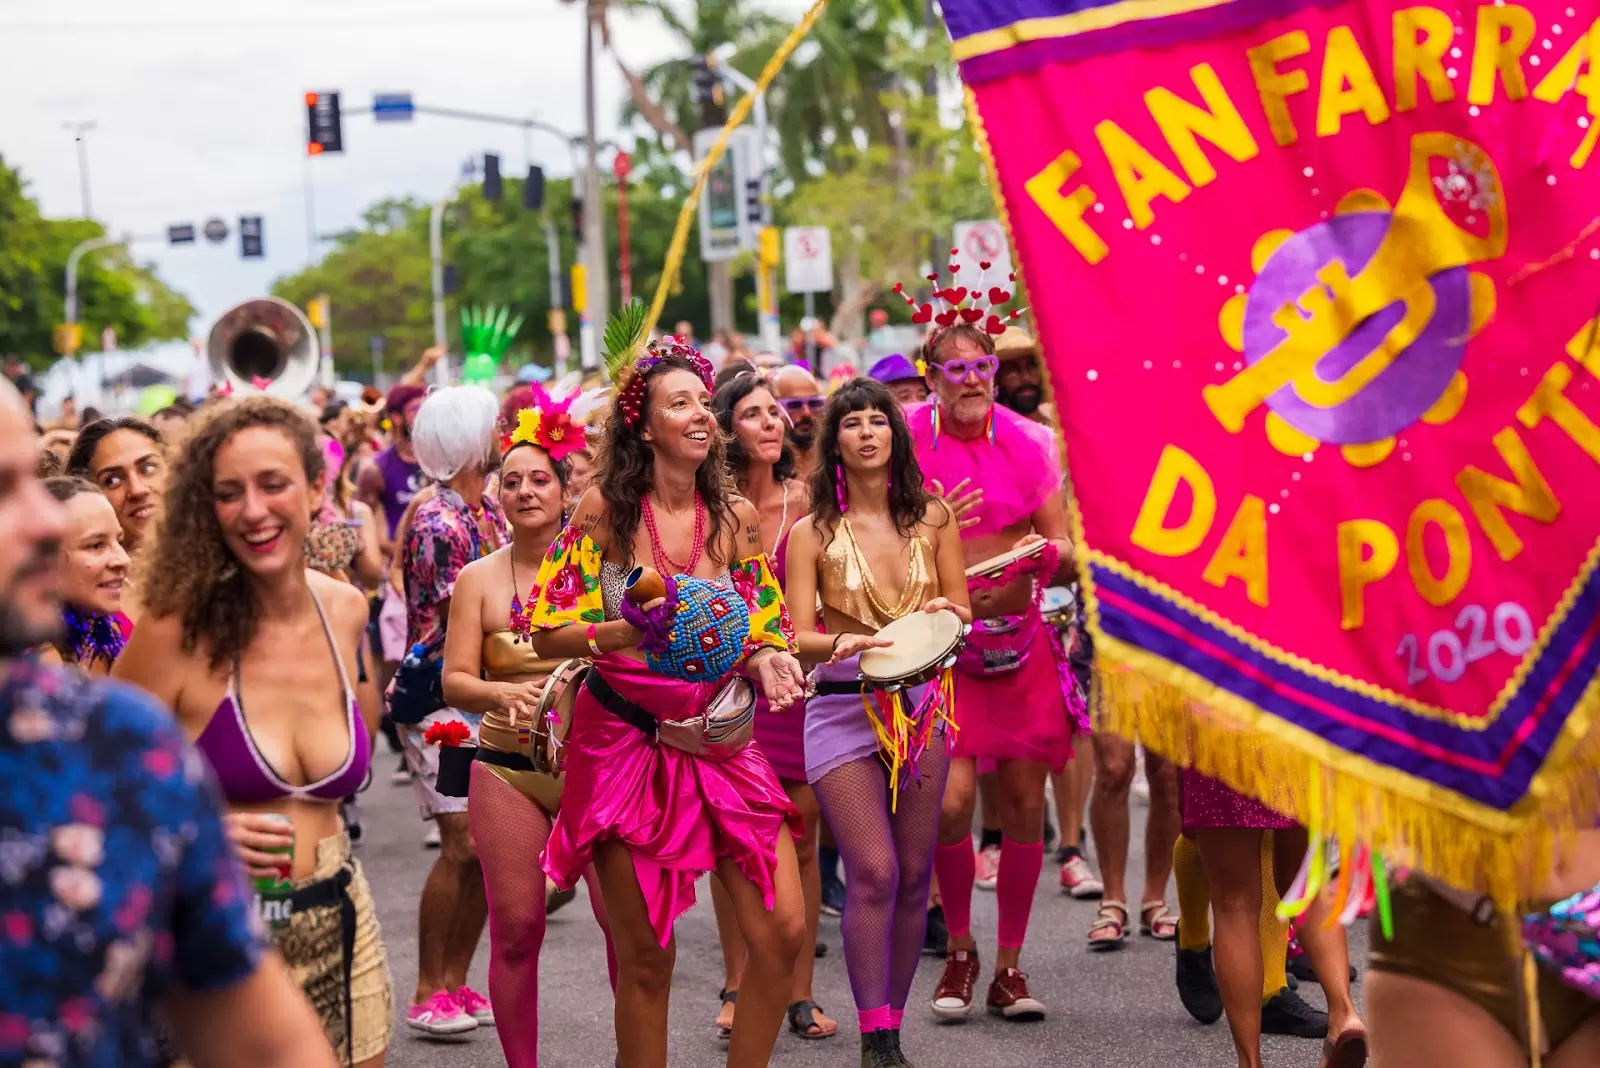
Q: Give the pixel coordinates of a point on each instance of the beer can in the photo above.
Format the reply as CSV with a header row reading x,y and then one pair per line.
x,y
274,892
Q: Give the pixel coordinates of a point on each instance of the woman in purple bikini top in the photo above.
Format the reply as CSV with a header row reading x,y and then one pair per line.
x,y
255,654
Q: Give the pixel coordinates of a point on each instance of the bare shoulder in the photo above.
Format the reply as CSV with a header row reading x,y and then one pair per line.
x,y
743,510
360,511
163,633
937,515
592,516
345,605
479,570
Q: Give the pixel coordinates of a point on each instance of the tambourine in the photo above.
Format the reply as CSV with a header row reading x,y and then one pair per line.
x,y
922,645
559,695
996,565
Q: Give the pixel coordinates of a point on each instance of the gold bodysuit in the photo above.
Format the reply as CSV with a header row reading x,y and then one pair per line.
x,y
505,658
849,588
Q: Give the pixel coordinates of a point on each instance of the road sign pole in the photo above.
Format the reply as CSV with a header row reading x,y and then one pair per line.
x,y
441,370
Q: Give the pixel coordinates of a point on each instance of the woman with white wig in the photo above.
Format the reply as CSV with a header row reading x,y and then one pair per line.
x,y
455,442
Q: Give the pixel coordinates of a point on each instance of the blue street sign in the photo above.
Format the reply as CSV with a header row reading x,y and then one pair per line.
x,y
393,107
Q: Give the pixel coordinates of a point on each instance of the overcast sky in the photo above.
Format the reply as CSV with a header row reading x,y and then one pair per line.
x,y
199,106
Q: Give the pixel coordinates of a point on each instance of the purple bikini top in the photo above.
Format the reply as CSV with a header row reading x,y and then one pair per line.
x,y
244,774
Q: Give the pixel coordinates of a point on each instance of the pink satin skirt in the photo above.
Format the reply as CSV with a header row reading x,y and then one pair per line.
x,y
678,815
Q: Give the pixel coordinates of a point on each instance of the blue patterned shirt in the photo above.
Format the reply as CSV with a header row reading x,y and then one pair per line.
x,y
116,881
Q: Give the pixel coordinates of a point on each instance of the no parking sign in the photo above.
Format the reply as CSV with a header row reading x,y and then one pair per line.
x,y
982,241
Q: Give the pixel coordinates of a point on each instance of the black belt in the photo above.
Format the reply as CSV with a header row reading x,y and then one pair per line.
x,y
840,687
514,761
618,705
325,893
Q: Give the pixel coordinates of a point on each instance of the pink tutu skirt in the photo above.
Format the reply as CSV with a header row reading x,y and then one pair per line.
x,y
1206,803
677,815
1021,715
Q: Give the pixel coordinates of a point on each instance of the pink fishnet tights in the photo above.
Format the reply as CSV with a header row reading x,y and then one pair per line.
x,y
510,832
888,862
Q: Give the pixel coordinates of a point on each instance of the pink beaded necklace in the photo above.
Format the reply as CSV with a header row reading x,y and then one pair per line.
x,y
664,563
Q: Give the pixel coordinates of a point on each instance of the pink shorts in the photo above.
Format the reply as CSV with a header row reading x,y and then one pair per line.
x,y
392,625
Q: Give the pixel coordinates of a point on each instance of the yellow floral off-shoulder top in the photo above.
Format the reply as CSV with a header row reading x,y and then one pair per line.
x,y
572,587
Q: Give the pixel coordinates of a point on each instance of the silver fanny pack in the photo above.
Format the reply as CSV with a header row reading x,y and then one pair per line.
x,y
722,730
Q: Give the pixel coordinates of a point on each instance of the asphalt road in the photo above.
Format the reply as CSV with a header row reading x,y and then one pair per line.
x,y
1115,1010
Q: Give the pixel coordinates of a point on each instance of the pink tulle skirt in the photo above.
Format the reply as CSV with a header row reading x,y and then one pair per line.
x,y
1021,715
677,815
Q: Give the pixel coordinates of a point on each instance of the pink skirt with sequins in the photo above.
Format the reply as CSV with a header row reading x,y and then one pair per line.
x,y
1204,802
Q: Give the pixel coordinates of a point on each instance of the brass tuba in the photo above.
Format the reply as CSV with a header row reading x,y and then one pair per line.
x,y
264,341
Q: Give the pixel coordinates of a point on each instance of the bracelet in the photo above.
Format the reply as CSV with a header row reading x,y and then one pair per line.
x,y
835,647
594,646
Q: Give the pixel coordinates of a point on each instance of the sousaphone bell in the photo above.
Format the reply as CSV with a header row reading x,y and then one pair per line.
x,y
264,341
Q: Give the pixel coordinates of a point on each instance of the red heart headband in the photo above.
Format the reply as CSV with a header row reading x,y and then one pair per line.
x,y
630,401
957,304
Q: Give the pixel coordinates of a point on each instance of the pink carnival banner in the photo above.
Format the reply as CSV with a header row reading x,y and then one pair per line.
x,y
1317,285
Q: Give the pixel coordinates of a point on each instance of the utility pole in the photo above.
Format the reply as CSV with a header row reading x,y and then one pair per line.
x,y
598,306
441,370
78,130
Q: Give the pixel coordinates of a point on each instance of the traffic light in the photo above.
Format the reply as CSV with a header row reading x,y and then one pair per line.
x,y
491,177
707,91
754,210
324,126
533,189
577,219
250,243
452,280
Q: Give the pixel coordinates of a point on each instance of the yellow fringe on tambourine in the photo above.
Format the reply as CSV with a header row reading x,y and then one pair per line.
x,y
1344,798
895,726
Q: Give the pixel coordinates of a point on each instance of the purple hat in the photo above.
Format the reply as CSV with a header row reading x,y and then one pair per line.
x,y
894,368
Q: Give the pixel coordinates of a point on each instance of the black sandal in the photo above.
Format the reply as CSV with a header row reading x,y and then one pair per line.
x,y
810,1029
729,997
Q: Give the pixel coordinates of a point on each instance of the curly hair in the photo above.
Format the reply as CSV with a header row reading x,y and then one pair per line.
x,y
908,500
625,463
726,401
189,571
81,458
938,340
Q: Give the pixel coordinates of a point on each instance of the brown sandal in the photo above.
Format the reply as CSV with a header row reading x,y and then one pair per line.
x,y
1106,920
1155,921
728,997
1349,1050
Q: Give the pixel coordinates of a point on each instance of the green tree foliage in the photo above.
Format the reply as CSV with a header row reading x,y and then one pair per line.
x,y
113,290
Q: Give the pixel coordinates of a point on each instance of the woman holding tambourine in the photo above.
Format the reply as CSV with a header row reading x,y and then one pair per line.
x,y
886,559
491,669
661,578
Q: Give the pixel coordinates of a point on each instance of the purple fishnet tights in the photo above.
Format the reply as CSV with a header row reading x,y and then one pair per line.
x,y
510,832
888,863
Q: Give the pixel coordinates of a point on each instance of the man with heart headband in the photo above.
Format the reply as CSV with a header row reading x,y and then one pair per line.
x,y
1014,690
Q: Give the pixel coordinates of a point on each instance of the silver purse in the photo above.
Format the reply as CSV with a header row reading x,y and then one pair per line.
x,y
722,730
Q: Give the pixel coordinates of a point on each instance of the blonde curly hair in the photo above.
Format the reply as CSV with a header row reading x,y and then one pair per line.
x,y
189,571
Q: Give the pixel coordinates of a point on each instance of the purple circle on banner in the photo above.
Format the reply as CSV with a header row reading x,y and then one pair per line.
x,y
1401,392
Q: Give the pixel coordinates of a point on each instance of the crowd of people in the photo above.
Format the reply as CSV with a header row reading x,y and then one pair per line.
x,y
710,621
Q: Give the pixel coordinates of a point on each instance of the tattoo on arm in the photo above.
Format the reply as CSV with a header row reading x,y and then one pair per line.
x,y
588,521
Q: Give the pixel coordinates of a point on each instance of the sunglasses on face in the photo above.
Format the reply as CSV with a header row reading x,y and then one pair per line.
x,y
956,371
796,405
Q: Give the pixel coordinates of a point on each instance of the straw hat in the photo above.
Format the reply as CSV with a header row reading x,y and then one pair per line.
x,y
1015,344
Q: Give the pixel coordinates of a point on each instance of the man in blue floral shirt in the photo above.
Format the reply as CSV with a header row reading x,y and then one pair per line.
x,y
119,896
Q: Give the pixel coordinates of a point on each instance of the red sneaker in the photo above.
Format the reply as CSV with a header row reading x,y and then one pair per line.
x,y
952,998
1009,997
1078,879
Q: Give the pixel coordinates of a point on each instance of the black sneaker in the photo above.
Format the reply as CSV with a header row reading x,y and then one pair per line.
x,y
899,1057
880,1050
936,943
832,897
1300,968
1197,985
1287,1013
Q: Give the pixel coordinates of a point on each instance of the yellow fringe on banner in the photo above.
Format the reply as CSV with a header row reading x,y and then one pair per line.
x,y
1351,800
680,232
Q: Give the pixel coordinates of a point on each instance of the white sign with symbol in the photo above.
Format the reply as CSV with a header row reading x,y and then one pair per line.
x,y
807,260
978,242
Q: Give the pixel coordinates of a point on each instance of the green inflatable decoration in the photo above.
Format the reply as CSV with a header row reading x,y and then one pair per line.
x,y
486,334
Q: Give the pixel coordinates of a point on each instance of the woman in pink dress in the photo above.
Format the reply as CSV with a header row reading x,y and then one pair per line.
x,y
649,814
763,469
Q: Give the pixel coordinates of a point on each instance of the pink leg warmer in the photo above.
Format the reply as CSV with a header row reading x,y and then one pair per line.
x,y
1019,876
957,866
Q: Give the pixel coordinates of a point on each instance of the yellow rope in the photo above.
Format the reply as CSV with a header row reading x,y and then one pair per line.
x,y
680,233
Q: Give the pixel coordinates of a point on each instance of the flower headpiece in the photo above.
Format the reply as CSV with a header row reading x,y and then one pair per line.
x,y
957,304
629,368
549,424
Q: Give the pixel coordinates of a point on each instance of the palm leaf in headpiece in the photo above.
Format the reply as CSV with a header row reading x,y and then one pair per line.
x,y
625,333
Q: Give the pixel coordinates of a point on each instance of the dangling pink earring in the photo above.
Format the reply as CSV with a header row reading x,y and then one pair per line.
x,y
838,488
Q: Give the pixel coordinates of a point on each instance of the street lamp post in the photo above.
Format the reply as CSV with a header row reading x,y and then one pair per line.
x,y
597,306
441,370
83,249
78,130
771,336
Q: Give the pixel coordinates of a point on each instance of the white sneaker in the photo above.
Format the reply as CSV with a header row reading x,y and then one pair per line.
x,y
431,839
401,776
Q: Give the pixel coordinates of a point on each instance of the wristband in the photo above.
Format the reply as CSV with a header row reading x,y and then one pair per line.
x,y
835,647
594,646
